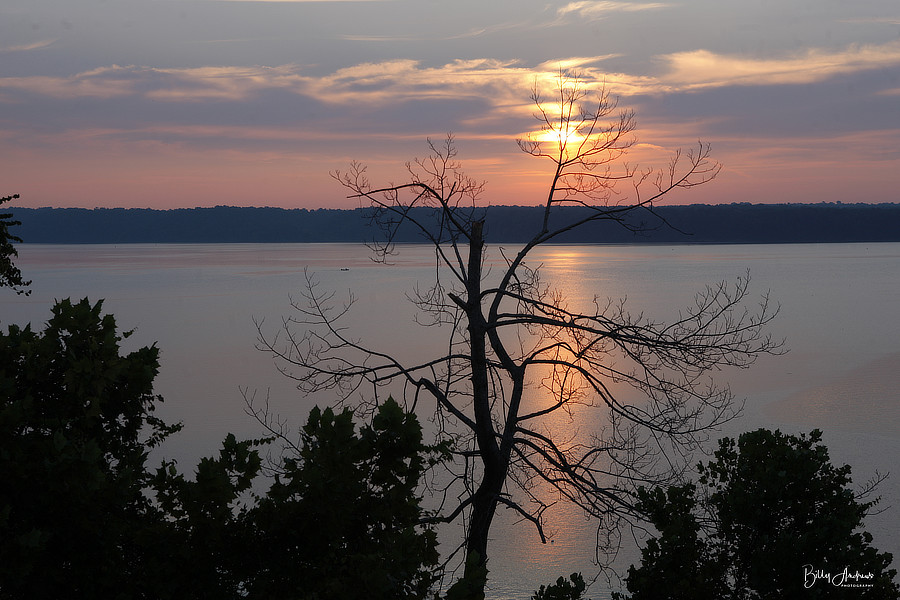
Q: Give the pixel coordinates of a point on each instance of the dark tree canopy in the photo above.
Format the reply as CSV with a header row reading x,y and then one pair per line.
x,y
518,356
769,518
76,420
343,518
571,589
10,275
203,550
82,517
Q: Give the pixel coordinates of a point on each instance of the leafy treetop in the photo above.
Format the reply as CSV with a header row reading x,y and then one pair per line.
x,y
10,275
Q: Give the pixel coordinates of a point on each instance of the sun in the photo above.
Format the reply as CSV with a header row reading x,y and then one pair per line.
x,y
557,136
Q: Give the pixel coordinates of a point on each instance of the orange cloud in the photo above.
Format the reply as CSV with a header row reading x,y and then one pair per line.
x,y
705,69
505,83
497,81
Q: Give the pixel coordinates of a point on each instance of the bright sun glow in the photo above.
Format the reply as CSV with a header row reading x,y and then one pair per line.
x,y
558,136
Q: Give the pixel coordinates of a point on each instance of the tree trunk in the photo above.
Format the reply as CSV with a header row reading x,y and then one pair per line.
x,y
494,474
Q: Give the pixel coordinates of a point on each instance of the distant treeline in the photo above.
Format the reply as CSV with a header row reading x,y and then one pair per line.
x,y
698,223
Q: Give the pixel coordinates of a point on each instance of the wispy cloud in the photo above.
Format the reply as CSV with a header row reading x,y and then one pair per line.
x,y
575,62
522,23
105,82
878,20
485,99
382,38
499,83
297,1
195,84
493,81
479,98
393,39
28,47
593,9
705,69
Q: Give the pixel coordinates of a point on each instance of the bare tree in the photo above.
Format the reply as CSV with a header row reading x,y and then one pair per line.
x,y
507,325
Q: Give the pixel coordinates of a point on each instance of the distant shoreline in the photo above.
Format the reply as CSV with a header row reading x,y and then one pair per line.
x,y
686,224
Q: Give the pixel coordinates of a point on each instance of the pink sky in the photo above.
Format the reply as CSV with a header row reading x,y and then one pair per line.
x,y
203,102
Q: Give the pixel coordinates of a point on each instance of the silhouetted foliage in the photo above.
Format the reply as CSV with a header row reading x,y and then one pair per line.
x,y
207,547
343,518
571,589
76,420
82,517
772,519
10,275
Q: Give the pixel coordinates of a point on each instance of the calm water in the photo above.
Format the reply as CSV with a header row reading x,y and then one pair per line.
x,y
840,315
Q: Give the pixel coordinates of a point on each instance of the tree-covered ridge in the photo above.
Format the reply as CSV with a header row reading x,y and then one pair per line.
x,y
699,223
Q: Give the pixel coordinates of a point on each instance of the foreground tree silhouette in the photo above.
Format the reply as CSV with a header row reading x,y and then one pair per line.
x,y
340,519
10,275
343,517
510,335
76,424
83,517
768,519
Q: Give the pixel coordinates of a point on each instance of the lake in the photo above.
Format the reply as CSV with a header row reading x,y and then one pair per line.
x,y
840,316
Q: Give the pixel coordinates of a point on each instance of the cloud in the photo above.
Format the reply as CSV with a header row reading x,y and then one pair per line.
x,y
222,83
389,38
877,20
378,82
475,98
298,1
105,82
705,69
28,47
190,84
599,9
394,38
500,83
282,107
575,62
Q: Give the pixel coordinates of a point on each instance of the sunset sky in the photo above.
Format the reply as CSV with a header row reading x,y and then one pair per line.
x,y
182,103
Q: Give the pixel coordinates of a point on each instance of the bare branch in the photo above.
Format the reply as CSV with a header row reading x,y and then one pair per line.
x,y
517,357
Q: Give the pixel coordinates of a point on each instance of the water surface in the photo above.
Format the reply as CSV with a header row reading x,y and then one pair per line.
x,y
199,304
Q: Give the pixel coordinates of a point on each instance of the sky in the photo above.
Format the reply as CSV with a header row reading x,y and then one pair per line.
x,y
184,103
